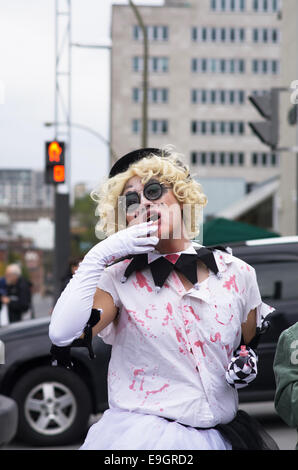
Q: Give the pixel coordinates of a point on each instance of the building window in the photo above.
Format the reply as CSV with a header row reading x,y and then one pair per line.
x,y
218,127
266,6
265,67
228,5
217,158
259,92
154,33
136,95
265,159
156,64
155,126
211,34
227,66
136,126
266,35
155,95
193,158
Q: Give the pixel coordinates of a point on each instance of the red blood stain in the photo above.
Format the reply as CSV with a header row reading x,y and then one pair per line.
x,y
193,312
218,321
147,314
179,336
229,350
157,391
217,337
200,344
247,267
136,373
142,281
170,309
231,283
166,320
139,320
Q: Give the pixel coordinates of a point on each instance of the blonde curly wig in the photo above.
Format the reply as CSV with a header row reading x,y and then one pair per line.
x,y
168,169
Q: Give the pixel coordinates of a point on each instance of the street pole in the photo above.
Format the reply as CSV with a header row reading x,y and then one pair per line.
x,y
112,156
63,108
145,75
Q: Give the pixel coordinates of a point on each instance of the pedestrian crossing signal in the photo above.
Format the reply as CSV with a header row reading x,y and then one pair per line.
x,y
55,162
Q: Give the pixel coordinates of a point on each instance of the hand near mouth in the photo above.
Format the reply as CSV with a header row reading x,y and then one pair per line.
x,y
153,216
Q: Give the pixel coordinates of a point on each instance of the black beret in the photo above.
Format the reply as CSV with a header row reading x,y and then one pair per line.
x,y
123,163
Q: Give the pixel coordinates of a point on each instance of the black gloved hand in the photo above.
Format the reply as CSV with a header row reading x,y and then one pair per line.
x,y
61,354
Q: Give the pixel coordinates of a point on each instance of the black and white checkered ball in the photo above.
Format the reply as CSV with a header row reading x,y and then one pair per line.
x,y
239,375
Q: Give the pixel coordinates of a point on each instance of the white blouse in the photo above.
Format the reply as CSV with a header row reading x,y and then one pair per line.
x,y
170,349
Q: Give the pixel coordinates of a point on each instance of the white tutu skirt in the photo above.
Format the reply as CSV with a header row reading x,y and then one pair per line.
x,y
124,430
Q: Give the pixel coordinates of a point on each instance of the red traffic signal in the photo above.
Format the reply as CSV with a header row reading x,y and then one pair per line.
x,y
55,162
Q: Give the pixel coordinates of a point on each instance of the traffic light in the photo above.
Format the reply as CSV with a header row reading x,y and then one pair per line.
x,y
268,106
55,162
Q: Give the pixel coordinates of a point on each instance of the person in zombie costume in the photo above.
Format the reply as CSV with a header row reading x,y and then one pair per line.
x,y
175,313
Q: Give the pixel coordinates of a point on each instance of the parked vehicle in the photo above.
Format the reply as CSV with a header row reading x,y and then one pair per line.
x,y
8,419
55,404
276,263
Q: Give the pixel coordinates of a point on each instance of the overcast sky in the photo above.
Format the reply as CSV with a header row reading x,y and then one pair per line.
x,y
27,59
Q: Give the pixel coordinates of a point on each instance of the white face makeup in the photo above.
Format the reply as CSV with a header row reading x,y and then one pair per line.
x,y
165,210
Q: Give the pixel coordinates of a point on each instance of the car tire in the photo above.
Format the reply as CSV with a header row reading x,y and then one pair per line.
x,y
54,407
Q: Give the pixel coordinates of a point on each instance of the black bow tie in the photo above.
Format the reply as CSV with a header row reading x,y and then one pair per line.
x,y
186,264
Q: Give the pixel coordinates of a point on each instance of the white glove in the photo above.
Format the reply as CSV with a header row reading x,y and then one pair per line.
x,y
74,305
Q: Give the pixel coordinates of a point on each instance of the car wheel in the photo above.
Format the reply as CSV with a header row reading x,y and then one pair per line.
x,y
54,406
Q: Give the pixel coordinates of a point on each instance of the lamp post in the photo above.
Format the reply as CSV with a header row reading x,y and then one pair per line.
x,y
145,71
145,74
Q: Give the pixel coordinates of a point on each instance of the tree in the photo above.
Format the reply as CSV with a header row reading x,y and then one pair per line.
x,y
83,221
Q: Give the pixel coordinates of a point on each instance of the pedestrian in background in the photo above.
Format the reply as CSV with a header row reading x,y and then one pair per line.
x,y
15,293
73,266
286,376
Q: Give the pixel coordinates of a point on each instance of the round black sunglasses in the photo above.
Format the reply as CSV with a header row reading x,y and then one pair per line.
x,y
153,190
